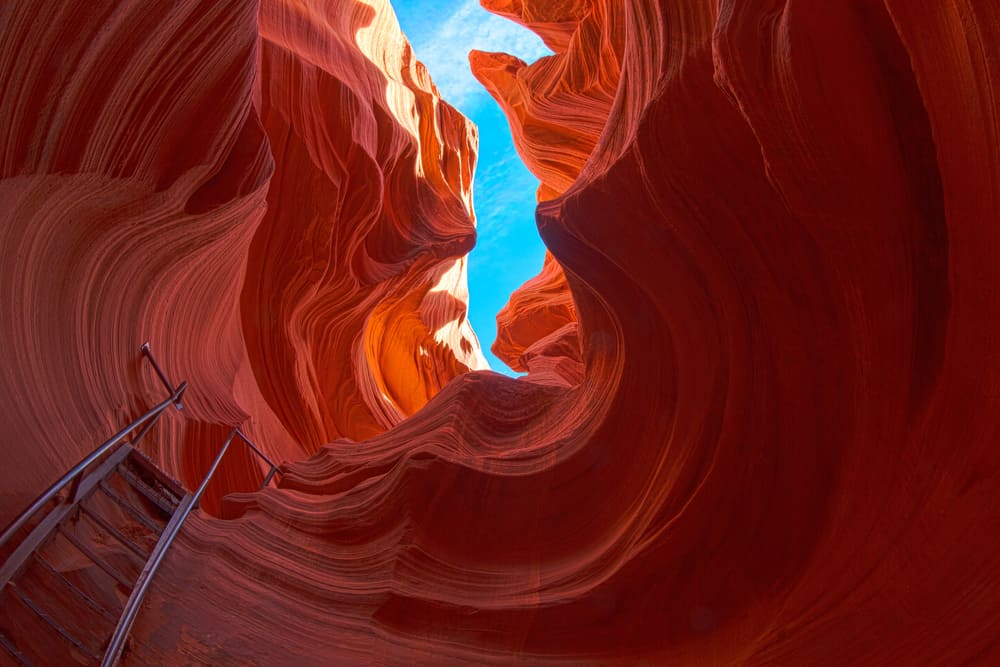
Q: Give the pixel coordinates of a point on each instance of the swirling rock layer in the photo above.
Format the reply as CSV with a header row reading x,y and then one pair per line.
x,y
176,174
781,448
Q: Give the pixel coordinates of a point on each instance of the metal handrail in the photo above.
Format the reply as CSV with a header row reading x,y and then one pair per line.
x,y
145,349
190,501
171,530
148,353
74,473
256,450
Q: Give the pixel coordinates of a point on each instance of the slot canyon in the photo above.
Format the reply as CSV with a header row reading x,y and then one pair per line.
x,y
760,417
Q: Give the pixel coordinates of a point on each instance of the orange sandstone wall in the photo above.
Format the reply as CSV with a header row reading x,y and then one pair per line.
x,y
133,176
183,173
354,302
558,106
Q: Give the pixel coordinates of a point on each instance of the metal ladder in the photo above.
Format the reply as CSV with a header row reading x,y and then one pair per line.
x,y
89,546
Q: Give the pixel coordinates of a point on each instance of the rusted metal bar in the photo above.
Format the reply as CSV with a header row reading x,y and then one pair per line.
x,y
256,450
267,479
252,446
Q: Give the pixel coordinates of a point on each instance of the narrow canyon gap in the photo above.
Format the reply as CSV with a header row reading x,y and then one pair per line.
x,y
508,249
758,424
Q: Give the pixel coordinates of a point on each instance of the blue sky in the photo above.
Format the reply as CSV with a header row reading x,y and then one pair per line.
x,y
509,250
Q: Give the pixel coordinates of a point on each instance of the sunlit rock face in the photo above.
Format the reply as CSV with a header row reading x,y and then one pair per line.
x,y
782,446
537,330
557,106
187,174
354,302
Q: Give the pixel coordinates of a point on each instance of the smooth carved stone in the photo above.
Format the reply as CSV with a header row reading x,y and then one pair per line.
x,y
535,311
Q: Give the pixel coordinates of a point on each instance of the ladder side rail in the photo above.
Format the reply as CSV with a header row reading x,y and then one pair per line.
x,y
187,505
79,468
38,536
273,467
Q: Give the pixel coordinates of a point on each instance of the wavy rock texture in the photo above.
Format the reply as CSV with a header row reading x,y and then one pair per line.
x,y
537,331
354,303
783,447
184,174
557,106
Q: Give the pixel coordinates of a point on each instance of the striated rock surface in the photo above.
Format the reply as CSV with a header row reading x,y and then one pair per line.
x,y
782,450
558,106
354,304
186,174
782,447
133,175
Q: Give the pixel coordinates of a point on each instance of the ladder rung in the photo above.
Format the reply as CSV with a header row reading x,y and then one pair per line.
x,y
138,460
91,602
12,650
151,494
130,508
31,604
97,560
114,532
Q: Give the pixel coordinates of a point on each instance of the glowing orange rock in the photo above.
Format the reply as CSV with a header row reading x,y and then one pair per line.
x,y
354,304
557,106
536,311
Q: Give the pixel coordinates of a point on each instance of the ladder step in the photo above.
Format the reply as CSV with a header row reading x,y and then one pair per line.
x,y
31,604
145,466
91,602
97,560
131,509
151,494
114,532
44,530
14,653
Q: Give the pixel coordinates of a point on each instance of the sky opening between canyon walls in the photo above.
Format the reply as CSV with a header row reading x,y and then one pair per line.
x,y
508,250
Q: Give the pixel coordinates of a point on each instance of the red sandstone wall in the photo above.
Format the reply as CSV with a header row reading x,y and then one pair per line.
x,y
782,257
188,178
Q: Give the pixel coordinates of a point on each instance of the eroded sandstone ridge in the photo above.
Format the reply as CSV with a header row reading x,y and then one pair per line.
x,y
276,197
780,447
